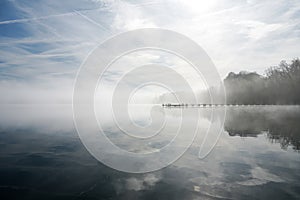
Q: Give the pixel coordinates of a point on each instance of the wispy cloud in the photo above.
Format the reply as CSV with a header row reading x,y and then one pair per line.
x,y
46,41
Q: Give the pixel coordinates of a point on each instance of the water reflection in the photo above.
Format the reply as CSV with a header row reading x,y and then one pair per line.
x,y
41,157
280,124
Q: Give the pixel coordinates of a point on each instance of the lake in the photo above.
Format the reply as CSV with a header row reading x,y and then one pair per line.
x,y
253,154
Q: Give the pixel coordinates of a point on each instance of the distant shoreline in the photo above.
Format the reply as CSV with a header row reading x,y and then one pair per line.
x,y
223,105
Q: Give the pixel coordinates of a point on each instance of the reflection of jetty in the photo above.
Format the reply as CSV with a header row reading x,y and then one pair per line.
x,y
209,105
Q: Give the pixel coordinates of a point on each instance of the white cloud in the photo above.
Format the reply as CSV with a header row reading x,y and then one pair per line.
x,y
257,30
242,35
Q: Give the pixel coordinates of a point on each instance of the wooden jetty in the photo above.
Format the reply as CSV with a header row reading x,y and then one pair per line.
x,y
207,105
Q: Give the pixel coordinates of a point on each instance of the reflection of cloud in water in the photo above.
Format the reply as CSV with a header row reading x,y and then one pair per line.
x,y
260,176
42,157
146,182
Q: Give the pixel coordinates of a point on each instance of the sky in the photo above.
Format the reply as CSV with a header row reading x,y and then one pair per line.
x,y
43,43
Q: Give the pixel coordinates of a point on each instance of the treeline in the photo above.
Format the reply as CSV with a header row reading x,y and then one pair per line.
x,y
279,85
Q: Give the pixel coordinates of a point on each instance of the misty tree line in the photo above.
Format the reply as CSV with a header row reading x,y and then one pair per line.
x,y
279,85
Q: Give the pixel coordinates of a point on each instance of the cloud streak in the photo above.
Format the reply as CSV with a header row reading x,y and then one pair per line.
x,y
44,42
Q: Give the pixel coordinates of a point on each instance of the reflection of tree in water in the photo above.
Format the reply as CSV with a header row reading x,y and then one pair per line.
x,y
281,124
285,134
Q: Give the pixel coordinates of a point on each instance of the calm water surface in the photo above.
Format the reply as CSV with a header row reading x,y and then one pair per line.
x,y
256,157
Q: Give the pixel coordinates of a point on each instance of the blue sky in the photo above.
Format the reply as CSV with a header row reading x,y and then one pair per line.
x,y
43,43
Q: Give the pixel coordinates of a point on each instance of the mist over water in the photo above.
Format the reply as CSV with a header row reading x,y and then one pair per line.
x,y
131,99
256,156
